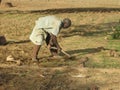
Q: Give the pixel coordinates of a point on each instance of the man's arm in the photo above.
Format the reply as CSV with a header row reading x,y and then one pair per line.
x,y
54,41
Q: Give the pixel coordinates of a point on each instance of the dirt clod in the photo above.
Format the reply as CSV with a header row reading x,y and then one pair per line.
x,y
8,4
93,88
2,40
113,53
18,62
10,58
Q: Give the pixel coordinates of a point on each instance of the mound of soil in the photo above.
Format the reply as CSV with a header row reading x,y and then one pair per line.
x,y
2,40
7,4
0,1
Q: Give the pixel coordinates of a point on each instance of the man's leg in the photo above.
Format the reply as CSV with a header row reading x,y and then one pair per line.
x,y
48,42
36,49
54,52
37,37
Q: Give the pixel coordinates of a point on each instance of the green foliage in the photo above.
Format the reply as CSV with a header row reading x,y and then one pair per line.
x,y
107,63
114,44
116,33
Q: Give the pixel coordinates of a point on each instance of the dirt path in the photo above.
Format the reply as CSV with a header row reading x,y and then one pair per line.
x,y
56,4
57,78
83,39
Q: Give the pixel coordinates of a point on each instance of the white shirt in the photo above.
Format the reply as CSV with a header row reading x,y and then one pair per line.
x,y
50,24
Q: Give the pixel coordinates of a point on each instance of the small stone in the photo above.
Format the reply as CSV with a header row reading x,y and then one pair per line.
x,y
18,62
9,58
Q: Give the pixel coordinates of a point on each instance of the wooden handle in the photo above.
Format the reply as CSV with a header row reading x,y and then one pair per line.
x,y
65,53
62,52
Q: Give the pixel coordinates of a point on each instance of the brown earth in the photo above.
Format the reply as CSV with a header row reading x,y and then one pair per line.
x,y
84,39
58,4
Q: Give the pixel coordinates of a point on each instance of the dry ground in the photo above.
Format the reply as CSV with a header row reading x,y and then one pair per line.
x,y
83,39
57,4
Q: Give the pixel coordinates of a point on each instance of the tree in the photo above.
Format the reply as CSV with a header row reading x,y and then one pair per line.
x,y
0,1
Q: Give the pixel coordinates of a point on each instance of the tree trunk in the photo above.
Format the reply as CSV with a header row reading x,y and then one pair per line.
x,y
0,1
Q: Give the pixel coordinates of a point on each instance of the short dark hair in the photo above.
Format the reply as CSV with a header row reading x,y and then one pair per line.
x,y
68,21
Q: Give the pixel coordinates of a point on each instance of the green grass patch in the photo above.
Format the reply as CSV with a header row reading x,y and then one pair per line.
x,y
116,33
58,63
104,62
114,44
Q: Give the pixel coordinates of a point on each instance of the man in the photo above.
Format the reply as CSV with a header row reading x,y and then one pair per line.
x,y
47,28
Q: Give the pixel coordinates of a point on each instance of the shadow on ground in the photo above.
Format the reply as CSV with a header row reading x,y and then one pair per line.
x,y
18,42
25,80
90,30
75,10
64,10
85,51
5,78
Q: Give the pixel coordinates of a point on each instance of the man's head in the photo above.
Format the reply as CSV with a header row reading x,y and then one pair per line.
x,y
66,23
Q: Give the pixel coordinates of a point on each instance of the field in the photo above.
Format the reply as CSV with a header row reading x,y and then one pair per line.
x,y
24,5
87,37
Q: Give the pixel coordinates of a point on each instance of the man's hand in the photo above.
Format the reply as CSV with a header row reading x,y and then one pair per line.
x,y
53,45
53,41
59,49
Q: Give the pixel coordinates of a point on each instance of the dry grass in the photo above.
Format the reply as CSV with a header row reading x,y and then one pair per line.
x,y
82,39
50,4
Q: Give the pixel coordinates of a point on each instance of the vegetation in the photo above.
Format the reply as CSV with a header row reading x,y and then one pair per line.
x,y
85,38
116,32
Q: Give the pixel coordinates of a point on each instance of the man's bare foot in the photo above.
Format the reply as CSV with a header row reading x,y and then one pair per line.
x,y
34,60
55,57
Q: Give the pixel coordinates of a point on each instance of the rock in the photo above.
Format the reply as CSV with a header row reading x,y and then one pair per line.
x,y
78,76
2,40
18,62
93,88
113,53
10,58
7,4
83,61
106,38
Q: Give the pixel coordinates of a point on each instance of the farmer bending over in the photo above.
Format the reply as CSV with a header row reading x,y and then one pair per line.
x,y
47,28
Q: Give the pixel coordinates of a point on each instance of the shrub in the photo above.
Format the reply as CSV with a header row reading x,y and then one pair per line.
x,y
116,33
